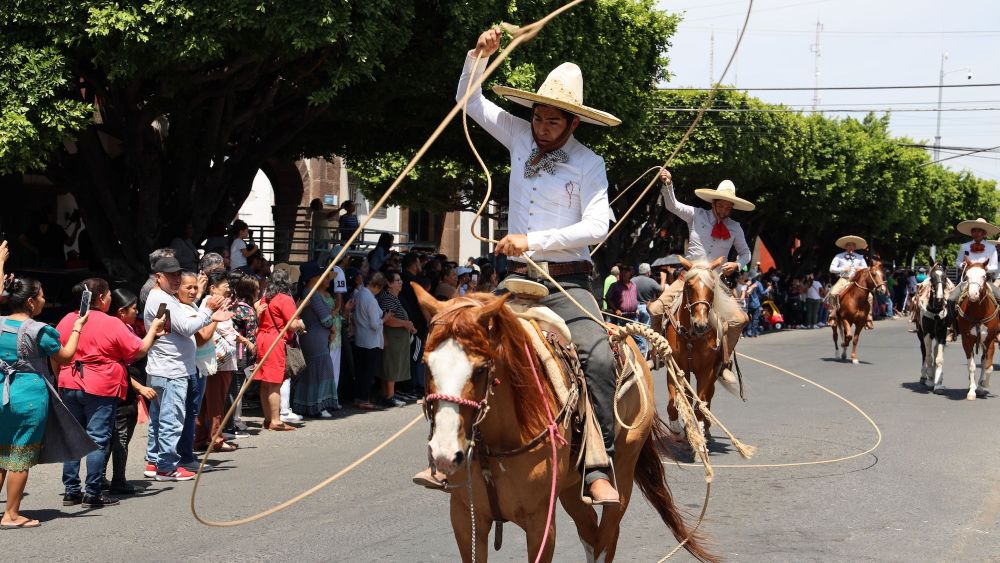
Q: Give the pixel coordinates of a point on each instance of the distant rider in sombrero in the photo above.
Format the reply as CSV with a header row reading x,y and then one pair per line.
x,y
558,208
844,265
712,233
976,251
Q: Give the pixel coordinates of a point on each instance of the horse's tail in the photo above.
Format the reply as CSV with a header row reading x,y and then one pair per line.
x,y
652,481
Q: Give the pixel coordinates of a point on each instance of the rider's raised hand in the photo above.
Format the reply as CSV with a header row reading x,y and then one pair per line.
x,y
665,176
489,42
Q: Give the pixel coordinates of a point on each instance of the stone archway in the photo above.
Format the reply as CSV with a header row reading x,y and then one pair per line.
x,y
286,181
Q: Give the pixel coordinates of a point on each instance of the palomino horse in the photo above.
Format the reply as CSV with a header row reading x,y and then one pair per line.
x,y
979,326
695,338
932,327
486,403
855,305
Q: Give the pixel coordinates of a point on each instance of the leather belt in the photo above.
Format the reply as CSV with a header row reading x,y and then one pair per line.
x,y
555,269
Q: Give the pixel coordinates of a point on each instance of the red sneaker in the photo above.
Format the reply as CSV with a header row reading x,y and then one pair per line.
x,y
150,470
179,474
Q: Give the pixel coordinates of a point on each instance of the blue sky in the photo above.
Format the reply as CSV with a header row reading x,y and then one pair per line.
x,y
863,43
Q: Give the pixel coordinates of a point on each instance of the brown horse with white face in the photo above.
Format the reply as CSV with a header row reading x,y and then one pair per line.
x,y
695,337
487,405
979,326
855,307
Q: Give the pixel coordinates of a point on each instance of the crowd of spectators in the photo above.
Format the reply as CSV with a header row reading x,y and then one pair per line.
x,y
176,352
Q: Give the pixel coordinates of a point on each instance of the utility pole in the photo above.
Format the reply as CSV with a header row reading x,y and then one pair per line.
x,y
937,133
815,48
711,59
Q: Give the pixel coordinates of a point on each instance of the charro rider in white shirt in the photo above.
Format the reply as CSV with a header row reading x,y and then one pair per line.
x,y
976,251
844,265
712,233
558,208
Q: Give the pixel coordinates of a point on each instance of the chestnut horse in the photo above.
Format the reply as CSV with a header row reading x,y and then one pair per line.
x,y
487,410
979,326
695,338
855,305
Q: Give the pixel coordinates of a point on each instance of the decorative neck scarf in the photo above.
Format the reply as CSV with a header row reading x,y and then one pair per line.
x,y
977,247
850,256
720,231
540,162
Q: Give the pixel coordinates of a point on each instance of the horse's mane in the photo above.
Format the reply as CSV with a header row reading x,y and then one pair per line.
x,y
504,343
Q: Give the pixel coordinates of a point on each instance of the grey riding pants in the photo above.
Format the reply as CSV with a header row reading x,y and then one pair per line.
x,y
594,351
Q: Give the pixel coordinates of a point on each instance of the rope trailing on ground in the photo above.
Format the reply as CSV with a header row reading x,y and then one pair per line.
x,y
520,35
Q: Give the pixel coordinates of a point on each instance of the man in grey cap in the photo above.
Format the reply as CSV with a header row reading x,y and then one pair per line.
x,y
169,365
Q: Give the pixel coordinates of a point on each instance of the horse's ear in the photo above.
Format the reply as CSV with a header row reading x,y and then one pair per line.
x,y
717,262
428,304
493,306
684,262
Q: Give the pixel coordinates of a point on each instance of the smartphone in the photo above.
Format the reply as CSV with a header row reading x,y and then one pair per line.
x,y
163,313
85,301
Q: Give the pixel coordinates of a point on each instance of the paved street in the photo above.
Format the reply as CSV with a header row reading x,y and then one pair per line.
x,y
930,492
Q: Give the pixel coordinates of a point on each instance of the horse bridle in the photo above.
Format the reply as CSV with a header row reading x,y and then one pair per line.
x,y
875,285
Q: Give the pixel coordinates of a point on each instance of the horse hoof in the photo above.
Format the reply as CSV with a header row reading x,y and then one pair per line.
x,y
981,393
971,396
939,390
855,361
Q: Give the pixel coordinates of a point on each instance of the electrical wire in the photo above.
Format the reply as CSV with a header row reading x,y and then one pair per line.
x,y
831,110
811,88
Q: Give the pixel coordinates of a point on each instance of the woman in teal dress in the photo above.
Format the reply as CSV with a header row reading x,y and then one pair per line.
x,y
24,394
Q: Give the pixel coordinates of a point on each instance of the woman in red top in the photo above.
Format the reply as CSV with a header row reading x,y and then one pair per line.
x,y
279,309
93,384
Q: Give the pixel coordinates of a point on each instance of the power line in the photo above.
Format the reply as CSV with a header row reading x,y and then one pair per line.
x,y
960,155
802,88
837,110
872,33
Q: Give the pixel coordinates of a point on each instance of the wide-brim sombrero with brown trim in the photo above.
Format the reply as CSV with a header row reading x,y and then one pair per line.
x,y
859,243
563,89
726,191
965,227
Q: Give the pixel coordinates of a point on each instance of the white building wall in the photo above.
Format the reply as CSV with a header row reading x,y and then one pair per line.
x,y
469,245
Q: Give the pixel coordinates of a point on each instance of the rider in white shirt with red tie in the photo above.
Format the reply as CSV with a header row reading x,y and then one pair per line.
x,y
976,251
712,234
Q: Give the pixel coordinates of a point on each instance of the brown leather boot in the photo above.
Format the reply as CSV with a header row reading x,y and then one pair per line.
x,y
431,479
601,492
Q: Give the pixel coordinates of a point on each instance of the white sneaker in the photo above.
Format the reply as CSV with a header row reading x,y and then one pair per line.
x,y
325,414
290,417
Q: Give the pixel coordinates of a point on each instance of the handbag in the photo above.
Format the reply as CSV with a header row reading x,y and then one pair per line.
x,y
295,360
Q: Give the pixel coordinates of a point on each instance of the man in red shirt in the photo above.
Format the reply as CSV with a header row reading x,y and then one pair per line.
x,y
623,296
93,384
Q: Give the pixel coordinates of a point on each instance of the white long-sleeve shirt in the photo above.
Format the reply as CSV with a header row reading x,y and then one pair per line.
x,y
988,256
846,263
562,213
701,245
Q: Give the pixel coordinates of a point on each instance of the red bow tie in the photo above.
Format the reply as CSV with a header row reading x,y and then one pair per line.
x,y
976,247
720,231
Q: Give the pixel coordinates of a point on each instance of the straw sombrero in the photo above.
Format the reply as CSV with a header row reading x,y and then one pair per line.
x,y
563,89
726,191
965,227
859,243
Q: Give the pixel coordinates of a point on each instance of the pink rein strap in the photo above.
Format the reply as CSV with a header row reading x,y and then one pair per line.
x,y
554,435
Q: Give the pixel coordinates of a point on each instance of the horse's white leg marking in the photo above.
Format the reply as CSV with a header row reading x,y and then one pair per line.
x,y
971,395
451,369
588,551
925,366
939,365
676,427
